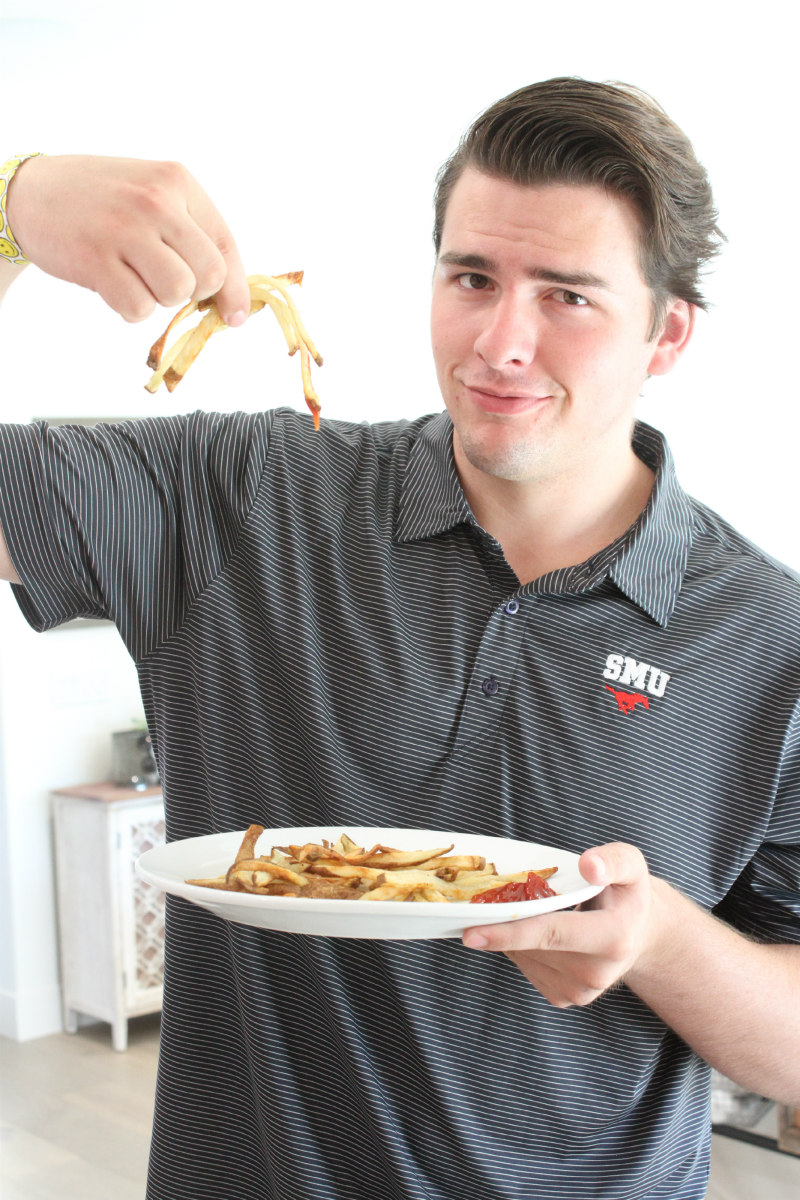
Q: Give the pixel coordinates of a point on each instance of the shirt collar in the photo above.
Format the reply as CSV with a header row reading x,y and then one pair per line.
x,y
652,562
432,500
647,563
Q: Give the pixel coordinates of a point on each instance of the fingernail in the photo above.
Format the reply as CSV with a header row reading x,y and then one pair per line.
x,y
475,941
237,318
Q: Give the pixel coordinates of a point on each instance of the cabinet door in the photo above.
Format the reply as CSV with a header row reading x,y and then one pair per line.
x,y
142,911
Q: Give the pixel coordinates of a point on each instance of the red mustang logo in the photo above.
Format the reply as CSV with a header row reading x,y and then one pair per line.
x,y
627,701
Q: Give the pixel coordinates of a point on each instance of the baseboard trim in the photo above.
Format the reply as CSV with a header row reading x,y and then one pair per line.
x,y
28,1015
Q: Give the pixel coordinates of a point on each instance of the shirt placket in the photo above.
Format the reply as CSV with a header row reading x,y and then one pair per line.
x,y
493,671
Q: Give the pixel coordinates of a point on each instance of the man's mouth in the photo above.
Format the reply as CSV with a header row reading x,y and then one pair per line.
x,y
499,400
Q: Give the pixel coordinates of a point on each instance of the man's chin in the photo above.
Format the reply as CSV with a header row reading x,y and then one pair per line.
x,y
514,460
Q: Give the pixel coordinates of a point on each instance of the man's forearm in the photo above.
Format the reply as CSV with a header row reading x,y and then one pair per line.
x,y
732,1000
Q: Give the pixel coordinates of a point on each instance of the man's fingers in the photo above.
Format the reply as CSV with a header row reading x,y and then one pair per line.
x,y
124,291
560,984
565,932
614,863
194,258
233,298
165,273
231,291
570,957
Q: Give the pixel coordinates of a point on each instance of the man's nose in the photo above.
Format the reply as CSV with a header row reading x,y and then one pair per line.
x,y
509,336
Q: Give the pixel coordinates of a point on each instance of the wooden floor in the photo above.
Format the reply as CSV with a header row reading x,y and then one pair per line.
x,y
75,1116
741,1172
75,1124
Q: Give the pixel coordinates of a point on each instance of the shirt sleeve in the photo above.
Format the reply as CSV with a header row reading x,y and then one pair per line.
x,y
764,902
126,521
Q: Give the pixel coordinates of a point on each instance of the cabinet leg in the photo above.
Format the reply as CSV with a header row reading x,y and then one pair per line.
x,y
789,1129
70,1020
119,1034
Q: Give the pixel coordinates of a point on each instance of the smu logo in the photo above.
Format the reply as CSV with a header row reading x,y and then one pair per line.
x,y
627,672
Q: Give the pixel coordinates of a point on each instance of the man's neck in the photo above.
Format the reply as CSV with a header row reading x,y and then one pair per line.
x,y
547,524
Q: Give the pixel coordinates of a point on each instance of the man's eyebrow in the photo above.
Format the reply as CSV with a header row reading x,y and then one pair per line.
x,y
478,262
475,262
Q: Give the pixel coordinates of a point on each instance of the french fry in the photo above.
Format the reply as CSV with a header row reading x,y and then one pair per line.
x,y
167,359
279,281
430,894
169,365
220,882
392,891
312,399
344,870
157,350
454,862
249,841
387,857
261,298
210,323
260,866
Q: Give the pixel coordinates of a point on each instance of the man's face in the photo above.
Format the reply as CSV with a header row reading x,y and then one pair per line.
x,y
540,322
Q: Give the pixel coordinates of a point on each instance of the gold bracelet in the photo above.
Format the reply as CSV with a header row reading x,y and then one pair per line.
x,y
9,250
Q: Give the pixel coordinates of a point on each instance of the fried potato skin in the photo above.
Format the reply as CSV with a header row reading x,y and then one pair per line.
x,y
169,364
345,871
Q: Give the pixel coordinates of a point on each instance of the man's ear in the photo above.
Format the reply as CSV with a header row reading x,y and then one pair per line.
x,y
674,337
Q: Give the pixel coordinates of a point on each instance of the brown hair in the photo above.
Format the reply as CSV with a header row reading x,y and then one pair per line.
x,y
575,131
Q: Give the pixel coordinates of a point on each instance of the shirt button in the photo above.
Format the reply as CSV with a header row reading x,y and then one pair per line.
x,y
490,686
511,607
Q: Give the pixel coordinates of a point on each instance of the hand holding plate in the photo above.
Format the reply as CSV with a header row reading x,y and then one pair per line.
x,y
573,955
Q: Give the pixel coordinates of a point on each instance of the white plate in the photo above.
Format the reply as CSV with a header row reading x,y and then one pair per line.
x,y
167,868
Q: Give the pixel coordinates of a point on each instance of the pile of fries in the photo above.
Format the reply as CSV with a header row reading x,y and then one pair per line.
x,y
169,365
344,871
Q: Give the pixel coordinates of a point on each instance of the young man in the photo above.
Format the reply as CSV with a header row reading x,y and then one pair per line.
x,y
505,619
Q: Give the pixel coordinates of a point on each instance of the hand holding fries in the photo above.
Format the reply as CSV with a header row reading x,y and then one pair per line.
x,y
138,233
144,233
344,871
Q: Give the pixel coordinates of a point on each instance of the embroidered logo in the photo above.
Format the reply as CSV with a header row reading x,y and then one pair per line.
x,y
627,701
628,671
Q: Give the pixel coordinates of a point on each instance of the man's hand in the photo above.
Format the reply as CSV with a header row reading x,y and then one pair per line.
x,y
138,233
573,955
733,1000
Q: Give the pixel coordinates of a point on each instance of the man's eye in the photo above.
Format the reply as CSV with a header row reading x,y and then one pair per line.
x,y
473,282
573,298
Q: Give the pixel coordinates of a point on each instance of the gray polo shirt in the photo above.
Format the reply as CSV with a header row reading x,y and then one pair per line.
x,y
325,636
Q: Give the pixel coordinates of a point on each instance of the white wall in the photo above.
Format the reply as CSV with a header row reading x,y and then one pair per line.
x,y
317,129
61,696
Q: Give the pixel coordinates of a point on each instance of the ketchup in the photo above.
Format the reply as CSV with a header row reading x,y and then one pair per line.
x,y
532,888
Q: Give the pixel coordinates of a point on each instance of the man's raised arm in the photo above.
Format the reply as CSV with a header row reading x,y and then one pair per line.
x,y
138,233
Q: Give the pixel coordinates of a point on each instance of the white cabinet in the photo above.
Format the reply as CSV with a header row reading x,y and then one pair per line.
x,y
111,923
